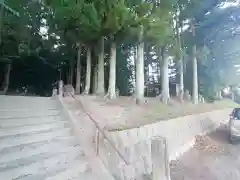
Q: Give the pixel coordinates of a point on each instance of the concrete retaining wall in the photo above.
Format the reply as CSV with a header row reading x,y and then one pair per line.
x,y
135,144
114,163
179,132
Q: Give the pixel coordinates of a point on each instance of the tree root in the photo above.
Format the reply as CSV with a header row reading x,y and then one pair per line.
x,y
85,93
108,96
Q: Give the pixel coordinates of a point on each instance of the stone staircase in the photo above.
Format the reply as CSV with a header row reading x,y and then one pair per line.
x,y
37,143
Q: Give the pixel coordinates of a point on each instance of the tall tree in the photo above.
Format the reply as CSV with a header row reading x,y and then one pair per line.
x,y
143,11
78,74
194,12
119,21
161,34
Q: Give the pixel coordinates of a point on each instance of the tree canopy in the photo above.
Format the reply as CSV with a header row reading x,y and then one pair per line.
x,y
101,38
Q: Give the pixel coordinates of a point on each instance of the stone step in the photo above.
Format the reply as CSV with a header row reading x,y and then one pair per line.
x,y
36,143
27,151
33,145
32,129
26,110
31,107
16,163
31,114
62,172
20,102
43,165
26,106
8,123
74,172
15,141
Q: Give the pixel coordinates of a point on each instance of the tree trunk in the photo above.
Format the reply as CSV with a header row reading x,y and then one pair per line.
x,y
165,78
181,81
95,80
88,74
161,75
7,77
140,70
135,56
71,72
195,72
68,76
180,43
60,74
195,77
1,27
219,95
112,73
158,70
100,85
78,76
1,22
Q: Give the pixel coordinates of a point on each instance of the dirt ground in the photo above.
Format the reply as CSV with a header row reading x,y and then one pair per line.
x,y
123,113
212,158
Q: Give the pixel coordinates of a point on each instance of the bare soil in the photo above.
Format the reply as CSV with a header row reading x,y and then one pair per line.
x,y
123,113
212,158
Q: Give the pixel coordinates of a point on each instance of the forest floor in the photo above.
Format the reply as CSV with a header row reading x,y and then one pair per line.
x,y
123,113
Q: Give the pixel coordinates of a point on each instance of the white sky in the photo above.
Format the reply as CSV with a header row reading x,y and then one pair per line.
x,y
230,4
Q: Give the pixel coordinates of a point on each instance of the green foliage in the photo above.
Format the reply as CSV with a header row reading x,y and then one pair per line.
x,y
5,6
159,29
86,21
21,33
30,72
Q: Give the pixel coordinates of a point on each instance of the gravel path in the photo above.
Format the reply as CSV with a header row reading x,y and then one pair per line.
x,y
212,158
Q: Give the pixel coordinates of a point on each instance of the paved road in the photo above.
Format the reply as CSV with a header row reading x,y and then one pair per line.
x,y
213,158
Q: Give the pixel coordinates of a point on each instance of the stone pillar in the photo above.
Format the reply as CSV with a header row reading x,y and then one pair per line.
x,y
160,159
60,88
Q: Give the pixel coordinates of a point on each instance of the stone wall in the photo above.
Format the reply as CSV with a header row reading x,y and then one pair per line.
x,y
179,132
135,144
114,163
87,133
